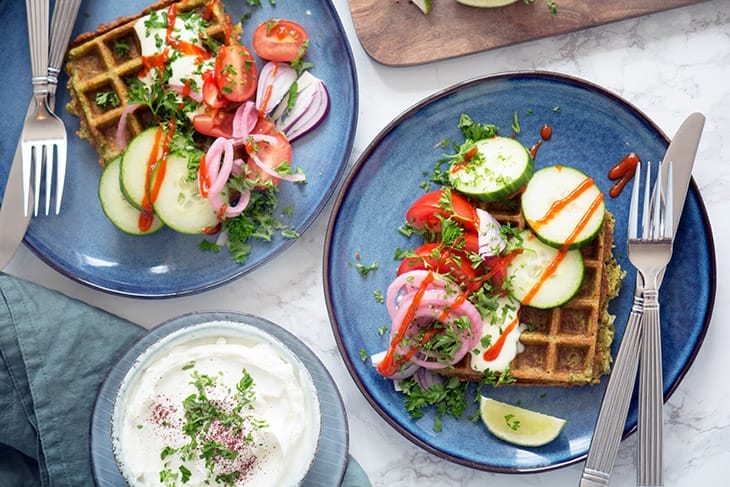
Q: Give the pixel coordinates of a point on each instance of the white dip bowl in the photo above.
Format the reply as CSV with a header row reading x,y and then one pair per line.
x,y
213,403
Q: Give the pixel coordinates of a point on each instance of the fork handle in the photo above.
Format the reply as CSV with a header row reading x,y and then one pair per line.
x,y
62,23
615,404
37,11
651,396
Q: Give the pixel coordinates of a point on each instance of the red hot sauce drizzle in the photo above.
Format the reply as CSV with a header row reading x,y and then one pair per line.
x,y
390,363
546,132
493,352
622,172
161,147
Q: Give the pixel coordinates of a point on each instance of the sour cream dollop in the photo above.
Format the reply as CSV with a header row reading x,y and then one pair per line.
x,y
277,412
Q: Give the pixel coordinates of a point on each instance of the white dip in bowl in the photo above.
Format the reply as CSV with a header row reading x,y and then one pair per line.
x,y
217,403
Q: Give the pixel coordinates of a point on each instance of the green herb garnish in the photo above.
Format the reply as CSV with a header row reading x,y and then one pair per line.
x,y
106,99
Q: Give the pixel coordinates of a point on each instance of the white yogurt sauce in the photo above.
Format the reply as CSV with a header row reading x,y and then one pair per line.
x,y
152,414
503,316
183,66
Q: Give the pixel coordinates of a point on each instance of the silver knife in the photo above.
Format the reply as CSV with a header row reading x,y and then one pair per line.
x,y
12,220
650,448
615,405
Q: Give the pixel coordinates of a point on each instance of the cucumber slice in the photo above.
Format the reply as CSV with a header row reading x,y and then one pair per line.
x,y
133,176
178,202
528,268
566,197
116,207
501,167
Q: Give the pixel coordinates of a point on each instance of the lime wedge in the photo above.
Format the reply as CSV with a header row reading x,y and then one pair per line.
x,y
486,3
517,425
424,5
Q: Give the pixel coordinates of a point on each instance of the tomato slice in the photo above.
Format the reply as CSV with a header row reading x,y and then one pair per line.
x,y
428,210
235,73
214,123
264,126
211,94
272,155
279,40
434,257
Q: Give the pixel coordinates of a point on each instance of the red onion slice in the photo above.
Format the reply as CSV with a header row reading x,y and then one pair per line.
x,y
121,139
426,379
410,282
404,372
310,108
490,238
275,79
244,120
316,113
433,304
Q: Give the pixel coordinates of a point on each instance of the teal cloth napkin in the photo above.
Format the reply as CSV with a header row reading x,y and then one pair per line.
x,y
54,353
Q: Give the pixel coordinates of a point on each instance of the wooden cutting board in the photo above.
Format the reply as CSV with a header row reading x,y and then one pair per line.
x,y
396,32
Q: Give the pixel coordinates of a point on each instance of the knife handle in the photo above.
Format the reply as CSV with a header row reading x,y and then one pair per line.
x,y
615,404
62,24
651,396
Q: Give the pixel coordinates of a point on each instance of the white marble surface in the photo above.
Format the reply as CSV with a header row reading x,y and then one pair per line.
x,y
668,64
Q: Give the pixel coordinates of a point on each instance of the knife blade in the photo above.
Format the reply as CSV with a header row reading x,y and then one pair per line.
x,y
615,404
681,153
13,222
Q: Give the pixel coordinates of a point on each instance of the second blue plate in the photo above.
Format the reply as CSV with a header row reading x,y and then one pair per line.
x,y
592,130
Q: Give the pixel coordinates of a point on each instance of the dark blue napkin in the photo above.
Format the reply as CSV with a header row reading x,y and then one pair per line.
x,y
54,353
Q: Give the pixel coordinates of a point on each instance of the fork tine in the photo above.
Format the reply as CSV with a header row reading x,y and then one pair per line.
x,y
657,210
27,152
662,211
669,207
60,173
37,168
645,222
49,163
634,206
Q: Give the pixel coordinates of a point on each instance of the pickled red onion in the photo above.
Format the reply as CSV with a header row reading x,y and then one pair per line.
x,y
220,164
244,120
433,304
491,241
122,125
409,282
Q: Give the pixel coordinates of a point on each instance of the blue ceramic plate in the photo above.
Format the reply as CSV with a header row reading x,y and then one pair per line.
x,y
330,460
82,244
592,130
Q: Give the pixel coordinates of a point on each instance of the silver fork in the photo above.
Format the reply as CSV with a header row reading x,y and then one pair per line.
x,y
651,254
44,131
617,397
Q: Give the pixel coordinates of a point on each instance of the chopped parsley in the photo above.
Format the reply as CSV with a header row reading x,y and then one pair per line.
x,y
202,417
107,99
448,397
121,48
378,296
364,270
512,423
516,124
